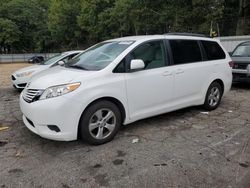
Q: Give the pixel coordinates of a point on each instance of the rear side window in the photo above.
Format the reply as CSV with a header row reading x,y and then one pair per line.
x,y
213,50
185,51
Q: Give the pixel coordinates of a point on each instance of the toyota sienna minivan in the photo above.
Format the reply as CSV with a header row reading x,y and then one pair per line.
x,y
123,80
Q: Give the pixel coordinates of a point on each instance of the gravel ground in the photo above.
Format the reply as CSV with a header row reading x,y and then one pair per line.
x,y
185,148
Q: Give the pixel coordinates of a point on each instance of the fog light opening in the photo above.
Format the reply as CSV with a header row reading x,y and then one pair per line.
x,y
54,128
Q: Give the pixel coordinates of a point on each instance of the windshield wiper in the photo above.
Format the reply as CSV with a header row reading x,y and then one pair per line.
x,y
77,67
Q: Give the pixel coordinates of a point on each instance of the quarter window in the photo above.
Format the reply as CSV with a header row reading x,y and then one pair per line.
x,y
185,51
152,53
213,50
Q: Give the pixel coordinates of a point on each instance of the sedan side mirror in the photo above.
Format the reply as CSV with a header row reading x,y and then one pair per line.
x,y
137,64
61,63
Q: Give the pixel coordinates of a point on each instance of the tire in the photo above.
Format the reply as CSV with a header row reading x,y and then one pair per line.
x,y
100,123
213,97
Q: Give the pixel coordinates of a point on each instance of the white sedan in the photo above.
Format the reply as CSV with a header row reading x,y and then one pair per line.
x,y
21,77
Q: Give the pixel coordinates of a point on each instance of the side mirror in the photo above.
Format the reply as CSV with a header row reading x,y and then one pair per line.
x,y
137,64
61,63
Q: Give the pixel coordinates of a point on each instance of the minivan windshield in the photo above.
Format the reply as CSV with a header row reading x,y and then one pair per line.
x,y
52,60
99,56
242,51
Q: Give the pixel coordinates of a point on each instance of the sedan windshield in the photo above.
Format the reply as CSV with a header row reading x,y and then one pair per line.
x,y
99,56
52,60
242,51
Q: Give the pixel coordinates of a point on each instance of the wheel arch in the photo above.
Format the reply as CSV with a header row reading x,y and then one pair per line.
x,y
214,79
114,100
219,81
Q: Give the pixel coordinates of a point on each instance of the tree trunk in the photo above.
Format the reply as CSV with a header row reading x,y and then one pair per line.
x,y
244,20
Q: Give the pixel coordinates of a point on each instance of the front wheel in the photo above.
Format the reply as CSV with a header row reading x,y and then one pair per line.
x,y
213,96
100,123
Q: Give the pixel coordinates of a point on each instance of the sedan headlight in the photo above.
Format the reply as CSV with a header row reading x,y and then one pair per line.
x,y
56,91
24,74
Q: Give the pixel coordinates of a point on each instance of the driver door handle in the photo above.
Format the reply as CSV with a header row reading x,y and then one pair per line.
x,y
167,73
179,71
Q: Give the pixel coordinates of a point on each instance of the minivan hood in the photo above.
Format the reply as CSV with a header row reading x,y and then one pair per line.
x,y
241,59
57,76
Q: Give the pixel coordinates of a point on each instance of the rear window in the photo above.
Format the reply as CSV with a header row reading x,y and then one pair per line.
x,y
185,51
242,51
213,50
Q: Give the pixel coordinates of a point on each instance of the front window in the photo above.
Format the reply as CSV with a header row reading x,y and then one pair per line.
x,y
242,51
152,53
99,56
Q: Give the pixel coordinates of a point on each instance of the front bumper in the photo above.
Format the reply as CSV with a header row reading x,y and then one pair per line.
x,y
241,75
19,83
59,111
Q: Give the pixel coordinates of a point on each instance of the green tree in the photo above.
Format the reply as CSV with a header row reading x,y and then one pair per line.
x,y
30,18
9,34
62,23
243,25
228,22
93,16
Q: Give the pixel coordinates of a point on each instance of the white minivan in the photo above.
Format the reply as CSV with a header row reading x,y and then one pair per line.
x,y
123,80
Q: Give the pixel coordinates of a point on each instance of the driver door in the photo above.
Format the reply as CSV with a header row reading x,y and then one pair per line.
x,y
149,91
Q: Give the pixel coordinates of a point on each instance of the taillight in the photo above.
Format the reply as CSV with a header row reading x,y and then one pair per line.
x,y
231,64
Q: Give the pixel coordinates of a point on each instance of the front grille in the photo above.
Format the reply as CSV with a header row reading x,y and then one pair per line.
x,y
31,95
242,66
21,85
13,77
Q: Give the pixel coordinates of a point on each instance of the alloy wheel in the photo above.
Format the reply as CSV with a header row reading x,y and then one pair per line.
x,y
214,96
102,123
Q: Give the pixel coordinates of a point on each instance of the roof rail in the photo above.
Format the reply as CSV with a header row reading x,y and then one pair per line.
x,y
188,34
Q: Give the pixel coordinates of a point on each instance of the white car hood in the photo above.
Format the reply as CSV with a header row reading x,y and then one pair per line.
x,y
57,76
35,68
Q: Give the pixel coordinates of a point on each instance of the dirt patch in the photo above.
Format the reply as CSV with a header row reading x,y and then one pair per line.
x,y
6,70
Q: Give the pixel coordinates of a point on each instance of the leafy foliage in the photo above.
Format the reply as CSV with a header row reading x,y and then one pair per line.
x,y
9,33
34,25
62,22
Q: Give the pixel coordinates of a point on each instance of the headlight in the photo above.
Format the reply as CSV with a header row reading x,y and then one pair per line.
x,y
24,74
56,91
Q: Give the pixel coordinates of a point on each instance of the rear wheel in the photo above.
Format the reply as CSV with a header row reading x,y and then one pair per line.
x,y
213,96
100,122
